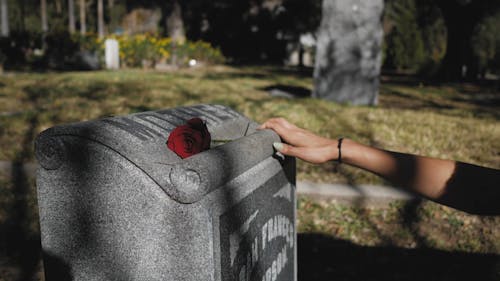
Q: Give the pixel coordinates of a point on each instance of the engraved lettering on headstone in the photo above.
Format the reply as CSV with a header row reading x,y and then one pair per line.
x,y
225,112
194,112
235,238
255,251
260,251
156,120
264,236
176,114
277,265
209,118
285,192
134,128
219,111
279,226
270,230
174,120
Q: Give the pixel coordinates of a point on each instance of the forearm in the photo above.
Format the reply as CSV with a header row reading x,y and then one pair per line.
x,y
463,186
460,185
426,176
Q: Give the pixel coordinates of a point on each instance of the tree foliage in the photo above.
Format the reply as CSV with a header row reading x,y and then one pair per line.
x,y
486,44
424,36
415,35
404,44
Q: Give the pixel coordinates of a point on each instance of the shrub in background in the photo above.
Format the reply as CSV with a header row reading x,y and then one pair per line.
x,y
61,50
19,48
146,50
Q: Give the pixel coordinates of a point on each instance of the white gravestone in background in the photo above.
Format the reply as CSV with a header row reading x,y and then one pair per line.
x,y
112,54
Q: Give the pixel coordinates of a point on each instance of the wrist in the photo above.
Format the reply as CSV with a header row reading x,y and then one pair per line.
x,y
339,150
343,150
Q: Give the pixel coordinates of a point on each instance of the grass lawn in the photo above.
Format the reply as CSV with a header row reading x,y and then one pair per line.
x,y
452,121
456,122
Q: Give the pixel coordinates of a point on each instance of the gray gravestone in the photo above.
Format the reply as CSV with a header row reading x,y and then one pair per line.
x,y
112,54
116,204
348,52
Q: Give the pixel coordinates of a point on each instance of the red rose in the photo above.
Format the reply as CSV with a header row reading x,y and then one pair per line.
x,y
189,139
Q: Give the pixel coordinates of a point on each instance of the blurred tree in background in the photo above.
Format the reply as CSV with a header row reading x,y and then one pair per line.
x,y
404,45
486,44
445,39
461,18
415,36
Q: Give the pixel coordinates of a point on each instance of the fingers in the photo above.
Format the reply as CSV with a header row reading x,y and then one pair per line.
x,y
294,135
280,125
315,155
287,131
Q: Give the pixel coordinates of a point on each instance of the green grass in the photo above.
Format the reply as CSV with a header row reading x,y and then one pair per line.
x,y
421,224
449,121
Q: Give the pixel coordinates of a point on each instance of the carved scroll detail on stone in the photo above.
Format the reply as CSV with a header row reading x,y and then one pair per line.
x,y
50,152
186,180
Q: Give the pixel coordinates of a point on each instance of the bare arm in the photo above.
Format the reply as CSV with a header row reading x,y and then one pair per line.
x,y
463,186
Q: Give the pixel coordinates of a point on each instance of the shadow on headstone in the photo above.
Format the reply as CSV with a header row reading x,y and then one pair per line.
x,y
61,271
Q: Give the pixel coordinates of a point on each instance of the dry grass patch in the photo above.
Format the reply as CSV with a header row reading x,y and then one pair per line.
x,y
442,121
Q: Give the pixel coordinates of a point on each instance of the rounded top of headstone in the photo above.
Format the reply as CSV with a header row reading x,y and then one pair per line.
x,y
141,139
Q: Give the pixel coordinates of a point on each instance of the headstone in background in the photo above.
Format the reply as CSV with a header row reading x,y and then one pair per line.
x,y
116,204
349,51
301,52
112,54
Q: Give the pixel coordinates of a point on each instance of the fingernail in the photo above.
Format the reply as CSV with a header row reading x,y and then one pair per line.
x,y
278,146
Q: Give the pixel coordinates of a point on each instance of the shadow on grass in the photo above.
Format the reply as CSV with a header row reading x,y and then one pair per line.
x,y
286,91
294,71
480,105
235,75
19,244
322,257
95,91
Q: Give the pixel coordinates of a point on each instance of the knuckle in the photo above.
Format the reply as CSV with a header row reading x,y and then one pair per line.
x,y
281,120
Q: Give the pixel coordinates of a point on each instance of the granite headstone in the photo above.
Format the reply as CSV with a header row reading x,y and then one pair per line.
x,y
348,52
116,204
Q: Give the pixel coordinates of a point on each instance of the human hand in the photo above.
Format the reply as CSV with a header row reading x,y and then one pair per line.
x,y
301,143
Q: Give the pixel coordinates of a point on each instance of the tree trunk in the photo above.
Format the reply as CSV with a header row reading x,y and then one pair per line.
x,y
100,18
112,24
43,11
71,16
175,23
83,24
58,7
22,11
5,18
458,62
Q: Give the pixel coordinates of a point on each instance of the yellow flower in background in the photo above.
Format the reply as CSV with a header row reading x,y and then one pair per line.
x,y
136,49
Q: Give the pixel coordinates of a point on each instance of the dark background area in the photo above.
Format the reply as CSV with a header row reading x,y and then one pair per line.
x,y
445,40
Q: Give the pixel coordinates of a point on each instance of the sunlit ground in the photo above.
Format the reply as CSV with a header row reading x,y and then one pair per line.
x,y
338,242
